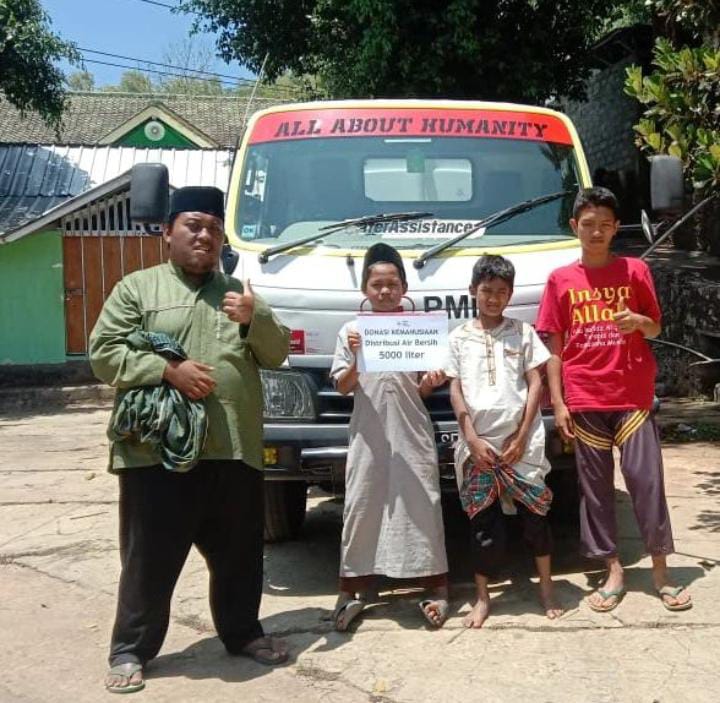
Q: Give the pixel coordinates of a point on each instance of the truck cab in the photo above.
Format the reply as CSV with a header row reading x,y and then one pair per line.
x,y
303,170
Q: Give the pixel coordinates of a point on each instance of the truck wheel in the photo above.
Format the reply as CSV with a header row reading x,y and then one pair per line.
x,y
284,509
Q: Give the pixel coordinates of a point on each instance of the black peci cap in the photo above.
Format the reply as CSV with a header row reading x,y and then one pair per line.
x,y
198,199
382,253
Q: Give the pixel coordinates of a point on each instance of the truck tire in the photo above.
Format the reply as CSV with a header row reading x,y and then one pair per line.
x,y
285,503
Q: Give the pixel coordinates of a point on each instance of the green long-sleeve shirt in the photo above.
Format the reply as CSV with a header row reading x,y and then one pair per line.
x,y
163,299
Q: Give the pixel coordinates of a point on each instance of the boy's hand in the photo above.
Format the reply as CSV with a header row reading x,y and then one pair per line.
x,y
191,378
626,320
433,379
354,341
564,423
513,448
482,453
239,306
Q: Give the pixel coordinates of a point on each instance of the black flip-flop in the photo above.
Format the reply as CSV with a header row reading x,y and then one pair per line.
x,y
344,614
254,650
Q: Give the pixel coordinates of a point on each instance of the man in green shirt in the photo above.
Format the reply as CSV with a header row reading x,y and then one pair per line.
x,y
228,333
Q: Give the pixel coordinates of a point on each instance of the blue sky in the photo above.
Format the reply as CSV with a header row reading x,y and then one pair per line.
x,y
126,27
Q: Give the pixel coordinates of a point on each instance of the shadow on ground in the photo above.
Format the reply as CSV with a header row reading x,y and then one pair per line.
x,y
207,658
708,483
319,545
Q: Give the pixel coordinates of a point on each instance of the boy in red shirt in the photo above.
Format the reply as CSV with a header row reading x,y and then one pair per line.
x,y
598,314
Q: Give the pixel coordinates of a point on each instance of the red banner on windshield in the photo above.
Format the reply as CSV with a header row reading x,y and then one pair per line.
x,y
409,122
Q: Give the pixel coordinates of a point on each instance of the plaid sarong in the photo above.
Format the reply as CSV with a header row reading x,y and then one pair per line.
x,y
482,487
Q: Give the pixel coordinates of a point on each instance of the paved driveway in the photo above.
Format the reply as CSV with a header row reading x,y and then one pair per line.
x,y
59,569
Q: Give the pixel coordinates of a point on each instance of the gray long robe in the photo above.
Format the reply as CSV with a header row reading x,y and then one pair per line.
x,y
393,518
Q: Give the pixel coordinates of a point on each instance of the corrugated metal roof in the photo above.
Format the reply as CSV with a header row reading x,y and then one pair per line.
x,y
36,178
15,212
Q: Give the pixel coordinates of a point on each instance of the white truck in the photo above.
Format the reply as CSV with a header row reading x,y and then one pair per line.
x,y
315,184
424,176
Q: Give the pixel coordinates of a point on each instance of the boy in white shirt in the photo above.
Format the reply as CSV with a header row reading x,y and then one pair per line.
x,y
500,458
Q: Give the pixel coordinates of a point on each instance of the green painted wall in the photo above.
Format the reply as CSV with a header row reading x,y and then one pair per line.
x,y
171,139
32,312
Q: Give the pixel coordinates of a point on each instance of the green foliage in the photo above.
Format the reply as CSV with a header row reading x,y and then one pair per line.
x,y
681,116
699,19
28,49
132,81
81,80
520,50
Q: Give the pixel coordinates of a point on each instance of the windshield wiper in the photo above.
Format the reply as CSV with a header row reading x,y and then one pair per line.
x,y
265,255
494,219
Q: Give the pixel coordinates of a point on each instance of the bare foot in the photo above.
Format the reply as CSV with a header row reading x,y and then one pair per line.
x,y
477,616
435,611
552,608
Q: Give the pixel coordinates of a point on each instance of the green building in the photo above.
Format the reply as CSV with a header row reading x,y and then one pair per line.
x,y
65,233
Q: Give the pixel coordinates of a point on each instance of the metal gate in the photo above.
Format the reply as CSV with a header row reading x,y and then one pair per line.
x,y
99,248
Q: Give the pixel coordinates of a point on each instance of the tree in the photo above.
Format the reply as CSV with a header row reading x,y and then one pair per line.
x,y
81,80
133,81
28,49
521,50
196,58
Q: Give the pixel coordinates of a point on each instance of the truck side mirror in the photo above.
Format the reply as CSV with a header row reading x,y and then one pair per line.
x,y
667,185
149,193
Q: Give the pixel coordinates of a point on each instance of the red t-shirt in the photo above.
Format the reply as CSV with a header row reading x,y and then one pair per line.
x,y
602,369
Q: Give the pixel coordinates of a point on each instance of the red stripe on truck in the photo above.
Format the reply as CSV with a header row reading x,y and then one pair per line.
x,y
409,122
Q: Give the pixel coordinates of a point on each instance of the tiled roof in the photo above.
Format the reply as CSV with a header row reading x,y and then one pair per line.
x,y
35,178
90,116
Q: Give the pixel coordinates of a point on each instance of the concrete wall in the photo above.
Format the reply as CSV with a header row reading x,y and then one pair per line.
x,y
604,121
688,286
32,317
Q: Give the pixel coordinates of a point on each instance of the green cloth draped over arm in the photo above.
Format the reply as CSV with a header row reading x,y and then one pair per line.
x,y
161,416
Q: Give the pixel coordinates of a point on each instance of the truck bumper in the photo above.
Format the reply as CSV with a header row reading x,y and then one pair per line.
x,y
322,450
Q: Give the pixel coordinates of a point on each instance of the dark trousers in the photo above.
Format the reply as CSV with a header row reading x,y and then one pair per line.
x,y
488,537
219,507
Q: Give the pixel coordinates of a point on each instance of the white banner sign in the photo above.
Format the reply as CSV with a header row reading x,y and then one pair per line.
x,y
415,341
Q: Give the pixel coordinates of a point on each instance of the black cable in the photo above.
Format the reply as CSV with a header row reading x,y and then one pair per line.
x,y
159,4
239,79
178,75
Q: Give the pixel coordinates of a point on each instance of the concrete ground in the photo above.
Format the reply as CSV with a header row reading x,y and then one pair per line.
x,y
59,570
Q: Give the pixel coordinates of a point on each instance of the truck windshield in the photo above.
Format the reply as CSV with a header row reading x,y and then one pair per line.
x,y
290,188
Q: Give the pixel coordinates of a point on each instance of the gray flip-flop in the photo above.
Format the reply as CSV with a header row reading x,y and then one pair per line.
x,y
673,592
127,670
442,606
617,595
344,614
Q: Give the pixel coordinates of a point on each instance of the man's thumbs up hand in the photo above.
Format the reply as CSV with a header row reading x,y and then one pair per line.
x,y
239,306
621,307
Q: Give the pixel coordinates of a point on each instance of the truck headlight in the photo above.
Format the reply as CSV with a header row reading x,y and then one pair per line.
x,y
287,395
